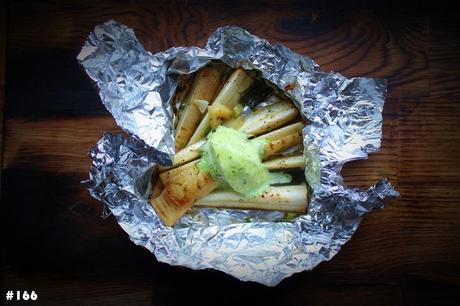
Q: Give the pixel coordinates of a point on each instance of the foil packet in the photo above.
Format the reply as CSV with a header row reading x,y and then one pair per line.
x,y
345,124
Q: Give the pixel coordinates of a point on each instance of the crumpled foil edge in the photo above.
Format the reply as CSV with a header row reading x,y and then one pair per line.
x,y
137,86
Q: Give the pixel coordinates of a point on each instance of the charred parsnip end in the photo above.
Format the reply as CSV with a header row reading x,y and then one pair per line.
x,y
269,118
204,88
290,162
282,144
167,175
181,192
157,189
218,114
282,198
229,96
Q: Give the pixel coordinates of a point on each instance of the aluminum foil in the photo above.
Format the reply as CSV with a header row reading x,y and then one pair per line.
x,y
136,87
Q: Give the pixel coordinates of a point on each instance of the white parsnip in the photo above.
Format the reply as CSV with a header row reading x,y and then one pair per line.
x,y
289,162
229,96
185,155
282,144
281,132
167,175
204,88
282,198
269,118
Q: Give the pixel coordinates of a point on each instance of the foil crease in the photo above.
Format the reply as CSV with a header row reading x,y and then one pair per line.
x,y
136,86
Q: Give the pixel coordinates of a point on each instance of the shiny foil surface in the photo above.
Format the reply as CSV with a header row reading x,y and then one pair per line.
x,y
345,116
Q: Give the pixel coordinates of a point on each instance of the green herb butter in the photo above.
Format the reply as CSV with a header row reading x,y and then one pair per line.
x,y
234,160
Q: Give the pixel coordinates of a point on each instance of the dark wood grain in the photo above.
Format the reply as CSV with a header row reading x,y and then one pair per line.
x,y
55,241
2,73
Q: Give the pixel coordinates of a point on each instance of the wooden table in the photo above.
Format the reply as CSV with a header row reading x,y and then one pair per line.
x,y
56,243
